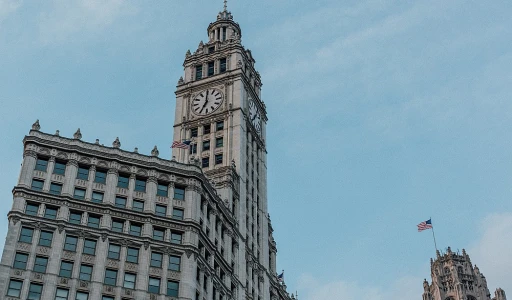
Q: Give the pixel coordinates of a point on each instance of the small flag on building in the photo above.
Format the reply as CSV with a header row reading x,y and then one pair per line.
x,y
425,225
280,277
182,145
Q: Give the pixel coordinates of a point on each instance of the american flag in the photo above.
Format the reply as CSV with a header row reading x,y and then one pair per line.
x,y
425,225
280,277
182,145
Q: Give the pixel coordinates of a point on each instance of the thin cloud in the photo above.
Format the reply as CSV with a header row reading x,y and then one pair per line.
x,y
7,7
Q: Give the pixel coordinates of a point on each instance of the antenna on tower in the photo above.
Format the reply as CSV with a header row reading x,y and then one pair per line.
x,y
225,5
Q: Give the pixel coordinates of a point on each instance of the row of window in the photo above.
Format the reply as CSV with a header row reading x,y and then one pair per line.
x,y
36,290
219,143
207,129
211,68
101,177
205,161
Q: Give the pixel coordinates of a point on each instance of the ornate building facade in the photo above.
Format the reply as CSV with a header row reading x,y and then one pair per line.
x,y
95,222
455,278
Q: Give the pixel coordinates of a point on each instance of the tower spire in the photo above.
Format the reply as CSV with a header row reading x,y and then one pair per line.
x,y
225,5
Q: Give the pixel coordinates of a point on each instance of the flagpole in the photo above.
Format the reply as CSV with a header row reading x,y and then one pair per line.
x,y
433,234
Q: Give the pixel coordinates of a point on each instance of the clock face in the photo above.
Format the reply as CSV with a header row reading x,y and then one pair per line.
x,y
207,101
254,114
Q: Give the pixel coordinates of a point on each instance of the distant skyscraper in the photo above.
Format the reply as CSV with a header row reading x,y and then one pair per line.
x,y
455,278
92,222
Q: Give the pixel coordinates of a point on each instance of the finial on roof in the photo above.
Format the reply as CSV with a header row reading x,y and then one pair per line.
x,y
116,143
36,125
225,5
136,150
155,151
57,132
97,141
78,134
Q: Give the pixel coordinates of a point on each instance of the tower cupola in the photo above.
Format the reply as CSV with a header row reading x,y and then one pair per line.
x,y
224,28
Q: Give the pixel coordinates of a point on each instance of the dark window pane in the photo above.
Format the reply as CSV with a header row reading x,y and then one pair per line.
x,y
177,213
154,285
62,294
135,229
26,235
193,132
205,162
219,142
122,181
174,263
32,209
206,129
158,234
117,225
129,280
218,159
50,213
100,177
179,193
37,185
85,272
75,218
55,188
132,255
172,288
45,238
83,173
34,291
59,168
20,261
40,264
97,197
93,221
176,238
82,296
90,247
206,145
162,190
114,251
140,185
223,65
199,72
161,210
193,148
156,259
138,205
70,243
66,268
41,164
14,288
120,202
110,277
79,194
211,68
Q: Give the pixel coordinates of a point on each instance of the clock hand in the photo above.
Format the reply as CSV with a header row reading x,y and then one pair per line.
x,y
205,101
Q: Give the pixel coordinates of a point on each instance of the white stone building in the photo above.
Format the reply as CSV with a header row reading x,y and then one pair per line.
x,y
95,222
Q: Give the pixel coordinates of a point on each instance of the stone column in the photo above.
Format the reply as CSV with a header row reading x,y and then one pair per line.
x,y
188,283
49,170
151,186
143,273
110,188
69,180
131,188
170,194
98,271
27,168
90,183
192,197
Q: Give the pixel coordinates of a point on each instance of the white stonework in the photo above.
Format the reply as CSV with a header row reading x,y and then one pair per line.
x,y
95,222
455,278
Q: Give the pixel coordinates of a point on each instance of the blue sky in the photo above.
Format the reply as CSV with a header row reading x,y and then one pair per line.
x,y
381,115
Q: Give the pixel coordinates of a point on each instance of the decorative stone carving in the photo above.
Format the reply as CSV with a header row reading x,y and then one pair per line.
x,y
181,81
188,53
36,125
77,135
57,132
116,144
155,152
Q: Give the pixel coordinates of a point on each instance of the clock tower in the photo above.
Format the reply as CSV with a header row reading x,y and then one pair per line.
x,y
219,110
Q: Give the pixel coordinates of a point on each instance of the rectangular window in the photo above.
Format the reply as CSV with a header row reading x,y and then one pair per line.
x,y
138,205
176,238
85,272
32,209
218,159
61,294
173,288
114,251
193,149
107,298
177,213
90,247
140,185
219,142
154,285
100,176
117,225
174,263
205,162
161,210
37,185
82,296
66,268
97,197
110,277
79,194
162,190
59,168
45,238
123,181
26,235
179,193
223,65
199,72
224,33
156,259
41,164
211,68
211,49
135,229
55,188
120,202
75,217
14,289
132,255
83,173
129,280
219,125
207,129
206,145
158,234
193,132
35,291
93,221
20,261
50,213
40,264
70,243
